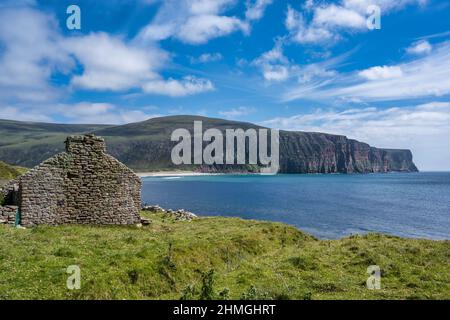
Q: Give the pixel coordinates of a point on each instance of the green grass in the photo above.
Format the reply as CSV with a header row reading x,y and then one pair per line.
x,y
216,258
8,172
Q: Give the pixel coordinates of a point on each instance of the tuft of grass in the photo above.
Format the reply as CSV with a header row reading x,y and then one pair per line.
x,y
9,172
216,258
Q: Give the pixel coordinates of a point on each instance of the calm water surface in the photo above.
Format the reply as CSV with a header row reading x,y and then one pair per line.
x,y
327,206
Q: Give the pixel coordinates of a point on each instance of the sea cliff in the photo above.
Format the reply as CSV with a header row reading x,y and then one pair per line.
x,y
303,152
146,146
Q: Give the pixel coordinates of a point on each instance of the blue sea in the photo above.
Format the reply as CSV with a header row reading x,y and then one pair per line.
x,y
327,206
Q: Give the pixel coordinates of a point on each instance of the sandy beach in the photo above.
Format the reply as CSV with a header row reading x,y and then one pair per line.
x,y
175,174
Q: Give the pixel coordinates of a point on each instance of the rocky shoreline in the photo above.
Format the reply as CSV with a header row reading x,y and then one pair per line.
x,y
179,215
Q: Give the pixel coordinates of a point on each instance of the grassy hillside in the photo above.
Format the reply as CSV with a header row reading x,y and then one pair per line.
x,y
13,132
162,127
216,258
8,172
29,143
140,145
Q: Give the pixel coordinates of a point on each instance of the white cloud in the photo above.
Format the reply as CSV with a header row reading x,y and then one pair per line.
x,y
192,21
276,67
15,113
84,109
300,32
380,73
423,128
425,76
207,57
105,113
420,47
385,5
293,19
335,16
274,55
273,64
17,3
314,71
308,5
237,112
255,9
208,6
34,50
82,112
325,22
110,64
198,21
275,72
31,54
199,29
178,88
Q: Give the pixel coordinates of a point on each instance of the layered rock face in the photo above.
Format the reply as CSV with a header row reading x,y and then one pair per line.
x,y
149,147
302,152
83,185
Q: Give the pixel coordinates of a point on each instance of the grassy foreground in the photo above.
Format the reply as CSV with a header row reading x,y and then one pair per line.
x,y
222,258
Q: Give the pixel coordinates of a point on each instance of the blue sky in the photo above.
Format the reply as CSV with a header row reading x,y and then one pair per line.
x,y
298,65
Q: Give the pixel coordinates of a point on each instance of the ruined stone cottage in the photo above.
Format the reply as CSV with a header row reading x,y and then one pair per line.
x,y
83,185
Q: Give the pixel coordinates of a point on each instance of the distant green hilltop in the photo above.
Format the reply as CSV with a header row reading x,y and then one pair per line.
x,y
146,146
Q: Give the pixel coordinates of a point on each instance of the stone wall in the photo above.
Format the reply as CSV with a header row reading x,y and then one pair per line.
x,y
83,185
8,215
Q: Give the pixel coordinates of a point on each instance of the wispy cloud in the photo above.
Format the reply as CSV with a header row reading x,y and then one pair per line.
x,y
178,88
381,73
207,57
81,112
198,21
193,22
255,9
34,50
31,53
419,47
111,64
423,128
435,35
23,114
106,113
321,22
237,112
427,76
277,68
273,64
17,3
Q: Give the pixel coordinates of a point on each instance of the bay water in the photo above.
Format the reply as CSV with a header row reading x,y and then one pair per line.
x,y
327,206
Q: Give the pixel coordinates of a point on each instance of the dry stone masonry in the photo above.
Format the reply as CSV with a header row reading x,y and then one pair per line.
x,y
8,215
179,215
83,185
